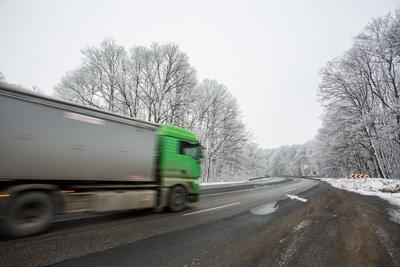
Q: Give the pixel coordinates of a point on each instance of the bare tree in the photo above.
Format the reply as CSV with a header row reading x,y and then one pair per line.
x,y
97,81
360,93
219,127
163,79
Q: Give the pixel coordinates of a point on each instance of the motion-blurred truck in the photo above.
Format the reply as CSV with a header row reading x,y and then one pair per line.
x,y
60,157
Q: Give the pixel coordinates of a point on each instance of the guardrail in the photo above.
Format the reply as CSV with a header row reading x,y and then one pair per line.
x,y
258,178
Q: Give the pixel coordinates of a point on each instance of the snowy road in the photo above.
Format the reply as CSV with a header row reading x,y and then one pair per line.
x,y
248,226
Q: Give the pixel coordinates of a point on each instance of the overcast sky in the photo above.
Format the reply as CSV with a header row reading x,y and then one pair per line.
x,y
268,53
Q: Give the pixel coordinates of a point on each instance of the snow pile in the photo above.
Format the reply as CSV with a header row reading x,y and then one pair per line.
x,y
382,188
391,188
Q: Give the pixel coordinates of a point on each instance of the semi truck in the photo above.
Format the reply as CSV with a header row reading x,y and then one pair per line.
x,y
61,157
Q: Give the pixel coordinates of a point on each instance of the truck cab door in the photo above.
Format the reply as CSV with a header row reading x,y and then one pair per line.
x,y
190,154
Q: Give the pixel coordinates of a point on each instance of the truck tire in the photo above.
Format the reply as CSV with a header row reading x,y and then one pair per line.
x,y
28,214
177,199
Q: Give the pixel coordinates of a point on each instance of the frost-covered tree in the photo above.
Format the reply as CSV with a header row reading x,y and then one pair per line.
x,y
216,120
158,84
151,83
360,94
163,80
292,160
97,81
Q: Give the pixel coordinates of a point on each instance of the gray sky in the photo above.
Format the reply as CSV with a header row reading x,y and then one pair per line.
x,y
268,53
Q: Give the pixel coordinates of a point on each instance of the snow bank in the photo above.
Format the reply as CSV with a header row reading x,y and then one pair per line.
x,y
372,187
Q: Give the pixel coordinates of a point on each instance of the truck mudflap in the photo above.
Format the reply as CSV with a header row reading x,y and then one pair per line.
x,y
192,198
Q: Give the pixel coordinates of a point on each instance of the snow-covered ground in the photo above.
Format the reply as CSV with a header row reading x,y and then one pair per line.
x,y
372,187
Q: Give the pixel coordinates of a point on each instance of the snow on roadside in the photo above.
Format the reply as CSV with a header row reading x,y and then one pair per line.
x,y
266,179
228,182
372,187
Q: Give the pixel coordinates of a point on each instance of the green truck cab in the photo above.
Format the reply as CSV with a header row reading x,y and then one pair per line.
x,y
179,164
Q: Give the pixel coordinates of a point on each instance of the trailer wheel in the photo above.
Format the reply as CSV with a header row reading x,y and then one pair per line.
x,y
177,199
30,213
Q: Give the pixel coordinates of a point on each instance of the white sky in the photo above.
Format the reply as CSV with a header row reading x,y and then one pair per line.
x,y
268,53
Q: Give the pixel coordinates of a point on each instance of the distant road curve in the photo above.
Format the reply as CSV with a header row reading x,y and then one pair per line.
x,y
208,189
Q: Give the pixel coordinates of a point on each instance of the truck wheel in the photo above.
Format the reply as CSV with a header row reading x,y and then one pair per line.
x,y
177,199
30,213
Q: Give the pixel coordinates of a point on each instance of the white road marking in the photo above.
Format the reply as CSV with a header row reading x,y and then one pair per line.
x,y
296,197
215,208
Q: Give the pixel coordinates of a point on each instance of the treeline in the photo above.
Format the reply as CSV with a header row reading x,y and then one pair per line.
x,y
293,160
158,84
360,95
359,92
288,160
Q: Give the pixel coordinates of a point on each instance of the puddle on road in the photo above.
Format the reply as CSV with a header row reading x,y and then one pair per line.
x,y
265,209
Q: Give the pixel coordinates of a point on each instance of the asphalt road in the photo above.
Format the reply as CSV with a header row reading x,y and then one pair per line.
x,y
253,224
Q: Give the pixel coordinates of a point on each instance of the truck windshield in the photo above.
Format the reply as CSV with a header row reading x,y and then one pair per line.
x,y
191,149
